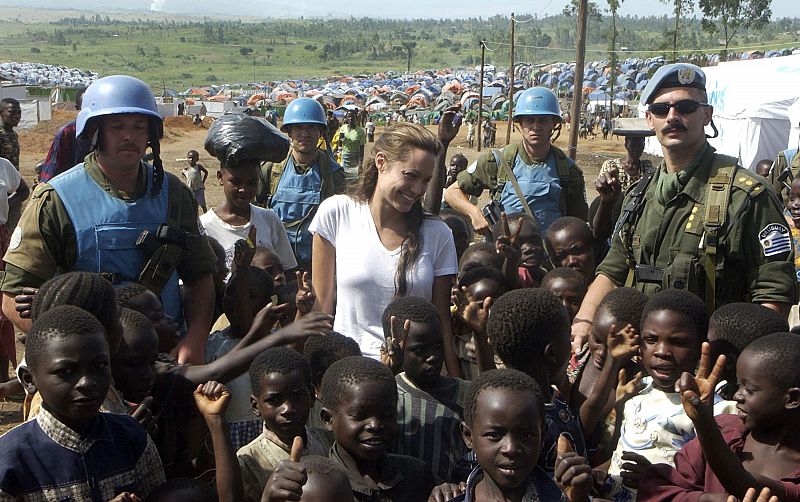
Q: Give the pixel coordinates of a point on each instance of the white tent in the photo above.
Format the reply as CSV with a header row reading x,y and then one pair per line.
x,y
756,107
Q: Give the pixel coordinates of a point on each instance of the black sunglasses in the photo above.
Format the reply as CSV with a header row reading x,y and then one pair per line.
x,y
684,107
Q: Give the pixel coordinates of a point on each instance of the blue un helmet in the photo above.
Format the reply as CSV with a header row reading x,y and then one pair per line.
x,y
304,111
121,94
537,101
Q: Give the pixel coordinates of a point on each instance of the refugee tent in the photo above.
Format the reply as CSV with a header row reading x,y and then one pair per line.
x,y
752,100
33,112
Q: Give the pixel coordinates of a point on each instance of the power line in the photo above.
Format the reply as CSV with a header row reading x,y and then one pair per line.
x,y
629,51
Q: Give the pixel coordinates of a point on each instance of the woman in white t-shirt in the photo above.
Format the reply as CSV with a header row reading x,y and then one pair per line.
x,y
377,243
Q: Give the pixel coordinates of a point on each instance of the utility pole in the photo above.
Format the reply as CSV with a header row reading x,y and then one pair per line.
x,y
577,95
511,86
480,95
254,67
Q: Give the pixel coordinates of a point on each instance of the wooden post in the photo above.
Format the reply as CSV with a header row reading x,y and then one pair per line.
x,y
511,86
577,96
610,116
480,96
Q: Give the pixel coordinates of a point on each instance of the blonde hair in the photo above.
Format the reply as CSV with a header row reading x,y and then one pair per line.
x,y
397,143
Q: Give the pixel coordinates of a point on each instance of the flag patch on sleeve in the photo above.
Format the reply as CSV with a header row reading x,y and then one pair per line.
x,y
775,239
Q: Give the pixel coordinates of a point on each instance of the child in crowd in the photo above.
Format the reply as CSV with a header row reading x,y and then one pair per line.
x,y
613,341
478,255
233,219
71,450
195,175
359,397
570,244
733,327
430,405
461,228
527,239
475,291
758,449
567,284
530,331
654,426
504,417
792,204
320,352
282,395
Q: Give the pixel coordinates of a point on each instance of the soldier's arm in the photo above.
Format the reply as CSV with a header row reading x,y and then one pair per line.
x,y
480,175
600,287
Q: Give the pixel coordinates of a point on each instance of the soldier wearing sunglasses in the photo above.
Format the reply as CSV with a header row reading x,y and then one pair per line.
x,y
699,222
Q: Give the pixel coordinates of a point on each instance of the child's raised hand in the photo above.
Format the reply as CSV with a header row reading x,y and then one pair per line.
x,y
126,497
573,474
212,399
305,297
288,478
476,313
633,469
506,244
244,250
624,344
314,323
752,496
266,318
697,392
447,491
626,389
392,348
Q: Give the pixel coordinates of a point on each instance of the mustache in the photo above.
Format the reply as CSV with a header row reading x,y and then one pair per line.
x,y
673,127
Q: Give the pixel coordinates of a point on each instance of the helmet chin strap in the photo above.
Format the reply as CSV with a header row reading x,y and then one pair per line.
x,y
158,166
716,132
556,133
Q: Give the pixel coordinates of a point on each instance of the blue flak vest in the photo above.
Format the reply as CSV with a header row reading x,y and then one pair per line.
x,y
295,199
106,229
541,186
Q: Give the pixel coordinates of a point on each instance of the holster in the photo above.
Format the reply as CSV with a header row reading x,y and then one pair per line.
x,y
164,250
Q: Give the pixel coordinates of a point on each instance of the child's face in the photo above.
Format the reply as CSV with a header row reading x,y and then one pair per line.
x,y
760,401
331,487
571,250
721,347
570,292
793,202
284,403
423,354
460,233
73,378
239,184
258,300
669,346
530,241
598,336
192,158
269,261
506,436
133,366
165,326
366,420
486,288
481,258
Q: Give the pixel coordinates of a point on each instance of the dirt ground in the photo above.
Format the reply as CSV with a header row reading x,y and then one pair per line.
x,y
181,136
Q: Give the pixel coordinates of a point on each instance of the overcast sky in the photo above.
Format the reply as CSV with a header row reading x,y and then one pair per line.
x,y
368,8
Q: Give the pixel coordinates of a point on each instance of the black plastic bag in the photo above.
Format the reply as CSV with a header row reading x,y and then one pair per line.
x,y
236,138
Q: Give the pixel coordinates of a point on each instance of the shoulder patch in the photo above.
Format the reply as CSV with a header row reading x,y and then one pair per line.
x,y
16,238
472,167
775,239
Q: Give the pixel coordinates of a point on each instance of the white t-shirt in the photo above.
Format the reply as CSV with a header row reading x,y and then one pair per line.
x,y
269,233
9,182
365,269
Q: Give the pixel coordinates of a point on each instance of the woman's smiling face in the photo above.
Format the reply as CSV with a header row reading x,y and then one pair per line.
x,y
403,182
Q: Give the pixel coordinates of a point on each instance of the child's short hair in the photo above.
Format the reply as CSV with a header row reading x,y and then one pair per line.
x,y
565,273
349,372
584,232
476,274
497,228
682,302
86,290
132,319
192,152
780,352
199,491
281,360
505,378
412,308
58,323
626,306
322,351
523,322
127,292
741,323
482,247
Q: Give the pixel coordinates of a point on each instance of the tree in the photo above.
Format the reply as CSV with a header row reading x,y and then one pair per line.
x,y
679,7
613,6
729,16
409,47
592,11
